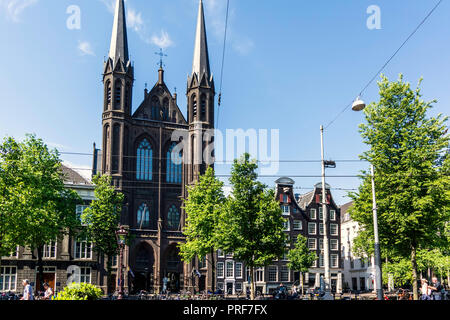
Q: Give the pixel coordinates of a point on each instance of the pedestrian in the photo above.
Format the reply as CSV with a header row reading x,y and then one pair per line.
x,y
436,289
425,290
27,291
48,294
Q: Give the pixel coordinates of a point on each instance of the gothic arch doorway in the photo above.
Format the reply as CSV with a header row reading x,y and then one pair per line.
x,y
143,268
173,270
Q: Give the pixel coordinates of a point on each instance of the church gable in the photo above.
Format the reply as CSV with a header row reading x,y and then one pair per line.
x,y
159,105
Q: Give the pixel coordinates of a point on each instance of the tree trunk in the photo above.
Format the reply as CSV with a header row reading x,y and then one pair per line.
x,y
109,271
213,266
252,283
414,273
40,276
301,282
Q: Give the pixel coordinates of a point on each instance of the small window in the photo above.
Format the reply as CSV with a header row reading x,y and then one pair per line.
x,y
8,276
49,250
273,273
230,269
238,270
333,215
312,228
85,275
312,214
321,229
334,244
284,274
298,225
238,286
320,213
286,225
285,209
320,244
312,244
79,211
333,229
83,249
220,269
321,261
220,253
334,261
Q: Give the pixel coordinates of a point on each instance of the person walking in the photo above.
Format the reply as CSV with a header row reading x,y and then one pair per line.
x,y
27,290
436,289
48,295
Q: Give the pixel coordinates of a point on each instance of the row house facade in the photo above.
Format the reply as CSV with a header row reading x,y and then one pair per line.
x,y
69,259
303,216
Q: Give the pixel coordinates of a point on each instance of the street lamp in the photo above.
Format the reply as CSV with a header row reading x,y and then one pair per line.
x,y
121,235
359,105
326,251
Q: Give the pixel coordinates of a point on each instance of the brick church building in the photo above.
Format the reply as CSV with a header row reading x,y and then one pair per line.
x,y
137,151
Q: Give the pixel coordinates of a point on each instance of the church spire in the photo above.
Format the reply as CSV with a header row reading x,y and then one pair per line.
x,y
119,41
200,64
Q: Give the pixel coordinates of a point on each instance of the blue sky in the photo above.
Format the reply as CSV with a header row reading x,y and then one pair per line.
x,y
290,65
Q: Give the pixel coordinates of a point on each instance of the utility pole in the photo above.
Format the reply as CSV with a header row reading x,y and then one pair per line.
x,y
326,251
378,280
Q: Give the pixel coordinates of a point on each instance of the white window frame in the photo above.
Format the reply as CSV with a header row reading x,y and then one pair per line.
x,y
268,273
334,244
286,209
311,215
227,263
220,254
80,210
47,252
287,225
321,229
236,284
332,215
282,270
336,228
320,213
321,260
336,264
220,270
312,240
85,274
299,226
320,244
238,270
315,228
87,254
11,278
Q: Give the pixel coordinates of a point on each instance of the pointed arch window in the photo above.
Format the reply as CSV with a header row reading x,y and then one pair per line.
x,y
143,217
108,95
173,218
194,106
117,94
203,107
173,174
144,161
155,108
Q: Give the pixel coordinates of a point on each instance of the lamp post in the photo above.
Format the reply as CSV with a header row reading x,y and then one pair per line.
x,y
121,235
359,105
326,251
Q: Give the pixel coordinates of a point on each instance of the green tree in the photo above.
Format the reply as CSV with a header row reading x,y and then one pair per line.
x,y
203,205
102,219
35,205
251,224
407,150
301,258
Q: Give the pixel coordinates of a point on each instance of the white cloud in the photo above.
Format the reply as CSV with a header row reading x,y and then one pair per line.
x,y
14,8
110,5
134,20
243,46
85,48
162,41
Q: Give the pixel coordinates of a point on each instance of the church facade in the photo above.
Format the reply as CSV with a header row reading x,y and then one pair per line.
x,y
139,153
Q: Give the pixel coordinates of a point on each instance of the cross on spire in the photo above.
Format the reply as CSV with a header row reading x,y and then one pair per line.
x,y
161,54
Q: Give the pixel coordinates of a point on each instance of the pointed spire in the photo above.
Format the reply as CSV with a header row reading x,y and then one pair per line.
x,y
119,40
200,64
